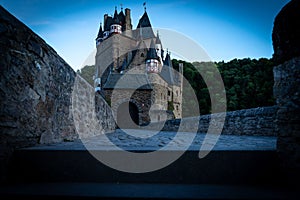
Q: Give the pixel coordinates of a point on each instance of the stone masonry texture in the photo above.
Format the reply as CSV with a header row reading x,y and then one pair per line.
x,y
36,92
254,122
286,43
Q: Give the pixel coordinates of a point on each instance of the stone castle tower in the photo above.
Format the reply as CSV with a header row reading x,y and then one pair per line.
x,y
133,74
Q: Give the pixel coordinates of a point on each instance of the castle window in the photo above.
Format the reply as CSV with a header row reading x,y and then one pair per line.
x,y
176,92
169,93
142,55
177,107
152,65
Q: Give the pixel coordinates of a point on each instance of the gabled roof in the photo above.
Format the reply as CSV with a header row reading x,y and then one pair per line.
x,y
142,44
128,81
138,59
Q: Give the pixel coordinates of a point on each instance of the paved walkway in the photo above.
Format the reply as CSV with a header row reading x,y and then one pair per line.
x,y
136,140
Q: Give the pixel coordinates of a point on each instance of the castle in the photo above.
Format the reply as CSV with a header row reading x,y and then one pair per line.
x,y
133,74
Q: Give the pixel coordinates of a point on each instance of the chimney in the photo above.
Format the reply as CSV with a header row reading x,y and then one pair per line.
x,y
128,19
105,19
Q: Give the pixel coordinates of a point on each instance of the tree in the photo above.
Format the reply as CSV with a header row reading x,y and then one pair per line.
x,y
248,82
87,72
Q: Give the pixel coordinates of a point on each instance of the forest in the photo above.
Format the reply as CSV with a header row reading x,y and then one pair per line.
x,y
248,83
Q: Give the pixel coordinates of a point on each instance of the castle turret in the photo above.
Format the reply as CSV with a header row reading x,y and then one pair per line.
x,y
152,60
158,47
99,38
107,23
115,27
122,19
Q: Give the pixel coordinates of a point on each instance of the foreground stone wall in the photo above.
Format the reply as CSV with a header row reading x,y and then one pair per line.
x,y
38,91
92,115
286,44
287,93
255,121
35,88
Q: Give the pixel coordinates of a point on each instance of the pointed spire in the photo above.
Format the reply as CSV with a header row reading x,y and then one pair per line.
x,y
116,17
116,13
144,21
100,33
157,38
121,7
151,54
168,61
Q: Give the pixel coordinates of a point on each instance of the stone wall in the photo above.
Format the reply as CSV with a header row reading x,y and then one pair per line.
x,y
35,88
255,121
286,44
287,94
91,114
37,93
140,98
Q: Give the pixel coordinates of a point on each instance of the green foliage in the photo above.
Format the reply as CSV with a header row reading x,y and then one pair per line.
x,y
170,105
87,72
248,83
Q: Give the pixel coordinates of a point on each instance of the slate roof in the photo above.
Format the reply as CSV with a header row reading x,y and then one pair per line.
x,y
144,28
168,73
122,19
151,54
100,33
158,41
128,81
144,21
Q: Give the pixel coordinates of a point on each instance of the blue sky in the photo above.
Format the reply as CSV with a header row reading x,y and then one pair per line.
x,y
226,29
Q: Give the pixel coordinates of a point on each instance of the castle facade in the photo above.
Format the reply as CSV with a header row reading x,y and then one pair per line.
x,y
133,73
